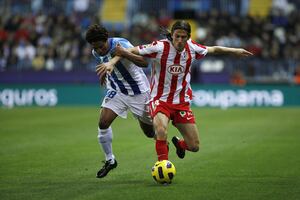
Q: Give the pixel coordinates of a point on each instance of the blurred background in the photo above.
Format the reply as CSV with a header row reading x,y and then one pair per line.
x,y
44,59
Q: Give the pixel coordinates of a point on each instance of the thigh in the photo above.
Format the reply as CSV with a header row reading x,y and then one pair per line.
x,y
190,133
115,102
185,116
139,107
147,129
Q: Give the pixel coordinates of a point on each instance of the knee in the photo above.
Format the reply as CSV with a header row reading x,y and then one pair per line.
x,y
194,147
147,129
161,132
149,134
104,124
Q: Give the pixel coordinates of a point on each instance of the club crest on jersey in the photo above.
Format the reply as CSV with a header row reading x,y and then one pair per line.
x,y
145,46
175,69
182,113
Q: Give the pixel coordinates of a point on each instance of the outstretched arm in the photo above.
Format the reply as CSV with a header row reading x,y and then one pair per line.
x,y
228,51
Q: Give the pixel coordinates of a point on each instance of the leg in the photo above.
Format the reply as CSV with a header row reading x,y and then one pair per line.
x,y
139,107
107,116
160,123
105,135
184,121
147,129
190,135
190,141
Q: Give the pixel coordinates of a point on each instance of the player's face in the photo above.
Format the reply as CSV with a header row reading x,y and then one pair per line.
x,y
101,47
180,37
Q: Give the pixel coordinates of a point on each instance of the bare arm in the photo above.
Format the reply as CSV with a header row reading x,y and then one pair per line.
x,y
107,67
228,51
120,53
131,54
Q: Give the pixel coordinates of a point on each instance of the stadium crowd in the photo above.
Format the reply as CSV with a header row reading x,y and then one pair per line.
x,y
55,40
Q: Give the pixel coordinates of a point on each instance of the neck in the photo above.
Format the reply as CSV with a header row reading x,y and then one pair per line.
x,y
179,49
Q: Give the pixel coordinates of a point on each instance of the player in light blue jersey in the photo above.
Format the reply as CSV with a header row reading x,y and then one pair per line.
x,y
127,89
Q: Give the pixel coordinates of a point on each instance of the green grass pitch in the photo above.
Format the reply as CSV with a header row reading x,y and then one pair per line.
x,y
52,153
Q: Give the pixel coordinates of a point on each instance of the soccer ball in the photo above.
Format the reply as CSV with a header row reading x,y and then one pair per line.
x,y
163,171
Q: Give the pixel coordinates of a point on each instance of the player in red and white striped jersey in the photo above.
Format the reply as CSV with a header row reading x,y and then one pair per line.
x,y
172,69
171,92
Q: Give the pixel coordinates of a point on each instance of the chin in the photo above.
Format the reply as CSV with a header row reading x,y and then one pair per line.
x,y
180,48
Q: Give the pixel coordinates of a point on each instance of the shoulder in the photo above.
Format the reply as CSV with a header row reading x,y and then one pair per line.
x,y
156,44
97,57
194,44
119,39
199,49
122,41
94,53
164,42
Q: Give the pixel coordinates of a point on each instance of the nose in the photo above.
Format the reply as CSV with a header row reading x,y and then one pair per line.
x,y
181,39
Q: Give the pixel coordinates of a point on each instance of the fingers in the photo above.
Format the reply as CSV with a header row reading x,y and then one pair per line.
x,y
102,78
247,53
100,69
101,72
109,70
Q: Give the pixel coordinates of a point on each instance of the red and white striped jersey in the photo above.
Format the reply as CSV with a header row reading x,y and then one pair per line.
x,y
171,70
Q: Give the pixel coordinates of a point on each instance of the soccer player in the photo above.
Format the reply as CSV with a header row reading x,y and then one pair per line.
x,y
127,89
171,91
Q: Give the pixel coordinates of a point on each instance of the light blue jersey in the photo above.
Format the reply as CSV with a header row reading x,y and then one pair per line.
x,y
126,76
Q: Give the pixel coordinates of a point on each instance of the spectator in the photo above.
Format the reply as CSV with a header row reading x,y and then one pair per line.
x,y
59,26
297,75
237,78
38,63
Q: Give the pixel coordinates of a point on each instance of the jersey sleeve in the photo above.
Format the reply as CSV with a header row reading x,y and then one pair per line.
x,y
150,50
200,50
122,41
125,43
98,58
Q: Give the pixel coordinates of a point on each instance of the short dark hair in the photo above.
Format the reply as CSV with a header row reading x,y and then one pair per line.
x,y
184,25
96,33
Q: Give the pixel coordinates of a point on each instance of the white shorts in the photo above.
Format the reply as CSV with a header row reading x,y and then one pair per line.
x,y
121,103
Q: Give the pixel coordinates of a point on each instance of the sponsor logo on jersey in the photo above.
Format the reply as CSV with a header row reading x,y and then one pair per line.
x,y
175,69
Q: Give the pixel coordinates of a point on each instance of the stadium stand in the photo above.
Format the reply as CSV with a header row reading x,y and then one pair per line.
x,y
48,36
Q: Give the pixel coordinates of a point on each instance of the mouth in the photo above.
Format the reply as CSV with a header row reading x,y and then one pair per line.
x,y
180,46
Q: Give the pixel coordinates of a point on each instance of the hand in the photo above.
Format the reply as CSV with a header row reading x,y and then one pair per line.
x,y
243,53
102,70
